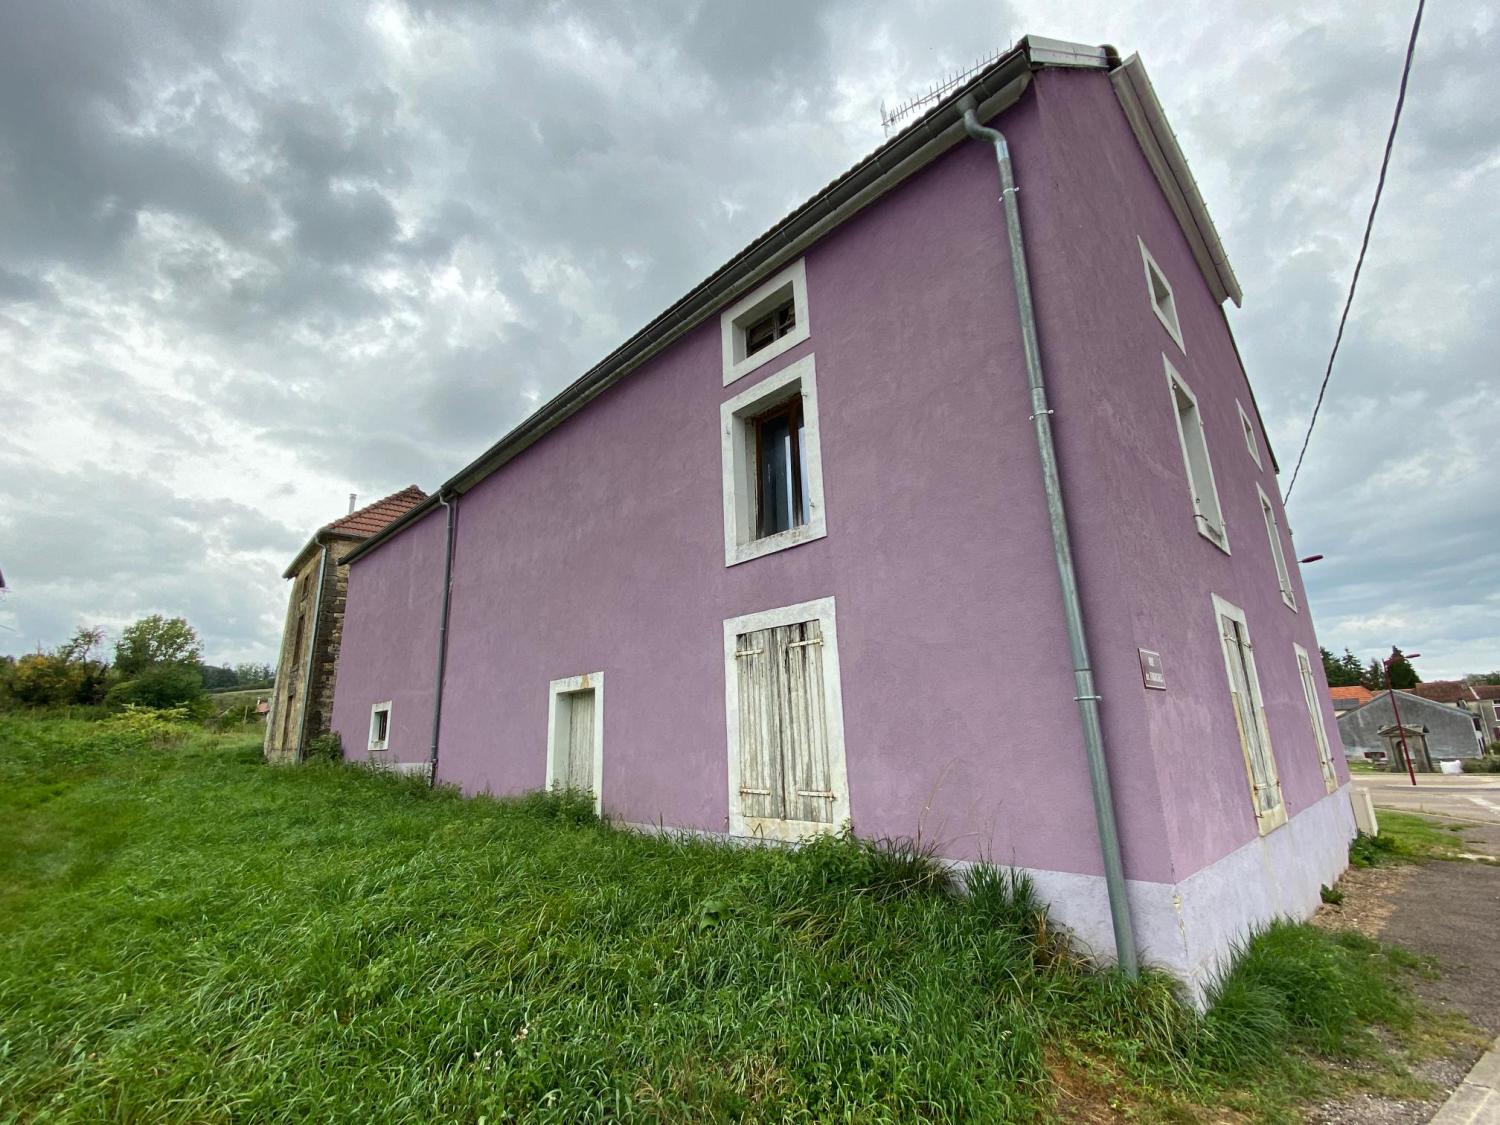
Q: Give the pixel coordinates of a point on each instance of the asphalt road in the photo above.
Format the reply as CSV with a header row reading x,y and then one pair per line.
x,y
1471,797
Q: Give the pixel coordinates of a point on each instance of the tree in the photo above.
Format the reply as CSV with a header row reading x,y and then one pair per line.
x,y
156,640
1374,675
217,677
254,675
1491,678
1400,672
164,685
1343,671
1353,671
67,675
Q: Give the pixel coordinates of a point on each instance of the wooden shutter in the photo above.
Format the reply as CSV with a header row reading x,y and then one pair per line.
x,y
785,768
580,741
1264,783
1320,736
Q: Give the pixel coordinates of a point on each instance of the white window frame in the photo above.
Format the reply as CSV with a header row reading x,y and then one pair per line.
x,y
1250,440
1278,553
1315,715
1215,533
738,469
749,308
820,610
589,681
385,743
1166,311
1269,819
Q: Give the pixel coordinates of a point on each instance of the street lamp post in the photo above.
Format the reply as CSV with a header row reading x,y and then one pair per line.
x,y
1400,730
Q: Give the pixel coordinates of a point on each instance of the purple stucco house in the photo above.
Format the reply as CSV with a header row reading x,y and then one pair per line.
x,y
802,526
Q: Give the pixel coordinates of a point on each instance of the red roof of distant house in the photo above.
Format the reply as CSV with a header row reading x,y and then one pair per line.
x,y
1357,693
372,517
1445,691
1487,691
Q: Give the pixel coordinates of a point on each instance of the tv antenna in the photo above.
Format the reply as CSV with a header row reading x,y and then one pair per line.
x,y
890,118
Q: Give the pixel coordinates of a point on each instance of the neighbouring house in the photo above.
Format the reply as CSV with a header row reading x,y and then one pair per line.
x,y
301,701
1480,700
785,560
1348,698
1435,732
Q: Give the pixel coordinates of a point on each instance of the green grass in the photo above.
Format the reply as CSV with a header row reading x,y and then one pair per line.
x,y
189,935
1408,838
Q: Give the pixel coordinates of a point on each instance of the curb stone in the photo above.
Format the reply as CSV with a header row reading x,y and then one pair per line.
x,y
1477,1099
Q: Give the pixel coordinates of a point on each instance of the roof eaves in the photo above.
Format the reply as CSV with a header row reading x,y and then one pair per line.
x,y
996,88
1169,165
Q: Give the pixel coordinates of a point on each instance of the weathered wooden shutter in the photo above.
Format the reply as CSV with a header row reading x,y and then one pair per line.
x,y
580,741
1251,721
785,769
1314,714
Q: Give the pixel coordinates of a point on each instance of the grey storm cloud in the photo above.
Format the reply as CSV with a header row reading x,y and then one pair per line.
x,y
256,256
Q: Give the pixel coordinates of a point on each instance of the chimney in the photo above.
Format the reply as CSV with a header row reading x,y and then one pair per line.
x,y
353,496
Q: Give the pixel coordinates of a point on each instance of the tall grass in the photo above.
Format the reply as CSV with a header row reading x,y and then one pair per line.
x,y
188,935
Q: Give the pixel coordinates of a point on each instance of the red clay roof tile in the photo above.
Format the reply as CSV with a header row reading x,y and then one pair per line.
x,y
371,518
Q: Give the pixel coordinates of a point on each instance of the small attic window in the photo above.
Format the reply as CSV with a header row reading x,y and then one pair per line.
x,y
773,326
765,322
1162,301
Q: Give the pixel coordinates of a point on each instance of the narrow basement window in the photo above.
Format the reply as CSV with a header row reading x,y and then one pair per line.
x,y
1200,472
1162,301
380,726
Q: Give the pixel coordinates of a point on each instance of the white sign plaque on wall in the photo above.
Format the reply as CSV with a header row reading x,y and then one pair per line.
x,y
1152,674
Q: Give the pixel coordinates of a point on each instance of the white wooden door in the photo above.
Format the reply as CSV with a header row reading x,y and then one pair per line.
x,y
785,768
579,770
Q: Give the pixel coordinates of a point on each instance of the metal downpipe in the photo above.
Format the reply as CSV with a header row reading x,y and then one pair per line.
x,y
442,649
1083,675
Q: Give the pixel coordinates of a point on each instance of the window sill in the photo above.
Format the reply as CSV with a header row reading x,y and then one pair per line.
x,y
1220,541
781,541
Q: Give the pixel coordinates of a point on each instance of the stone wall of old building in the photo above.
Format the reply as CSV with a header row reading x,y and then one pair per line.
x,y
302,701
283,724
326,638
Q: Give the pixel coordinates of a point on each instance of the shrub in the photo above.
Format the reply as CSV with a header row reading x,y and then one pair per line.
x,y
165,685
1371,851
1331,895
150,726
328,747
1490,763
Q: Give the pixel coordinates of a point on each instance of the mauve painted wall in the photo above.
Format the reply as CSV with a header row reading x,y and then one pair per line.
x,y
391,615
601,547
1127,491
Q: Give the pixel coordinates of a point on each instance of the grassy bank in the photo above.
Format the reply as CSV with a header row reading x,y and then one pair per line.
x,y
189,935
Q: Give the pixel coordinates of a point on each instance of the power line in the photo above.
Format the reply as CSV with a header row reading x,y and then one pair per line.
x,y
1385,162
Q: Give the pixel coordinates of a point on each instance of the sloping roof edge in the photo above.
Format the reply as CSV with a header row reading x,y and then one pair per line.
x,y
1169,165
997,87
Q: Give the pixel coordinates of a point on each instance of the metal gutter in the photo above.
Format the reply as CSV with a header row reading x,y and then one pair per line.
x,y
1157,140
1086,695
995,88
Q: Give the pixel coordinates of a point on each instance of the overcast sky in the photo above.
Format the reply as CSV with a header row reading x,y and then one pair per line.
x,y
257,256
